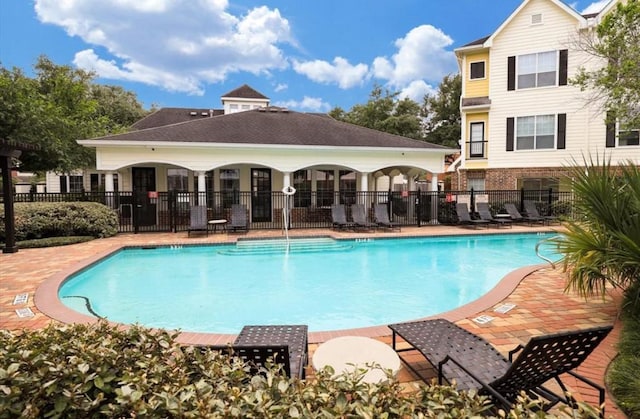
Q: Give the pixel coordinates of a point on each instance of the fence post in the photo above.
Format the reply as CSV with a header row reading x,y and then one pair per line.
x,y
418,207
521,206
472,201
549,201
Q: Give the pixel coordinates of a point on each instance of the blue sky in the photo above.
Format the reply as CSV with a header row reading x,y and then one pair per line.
x,y
308,55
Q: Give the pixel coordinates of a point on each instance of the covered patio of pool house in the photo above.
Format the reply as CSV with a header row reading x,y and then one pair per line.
x,y
153,176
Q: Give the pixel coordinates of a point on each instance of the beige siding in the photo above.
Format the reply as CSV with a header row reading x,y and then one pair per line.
x,y
585,121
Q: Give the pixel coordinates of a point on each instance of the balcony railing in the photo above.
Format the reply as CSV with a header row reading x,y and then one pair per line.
x,y
476,149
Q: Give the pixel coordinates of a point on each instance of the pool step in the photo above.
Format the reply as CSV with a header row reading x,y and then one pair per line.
x,y
278,246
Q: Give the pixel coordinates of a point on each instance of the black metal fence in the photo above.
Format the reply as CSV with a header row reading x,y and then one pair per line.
x,y
169,211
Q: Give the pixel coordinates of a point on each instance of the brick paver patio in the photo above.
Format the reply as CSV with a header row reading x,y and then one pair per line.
x,y
541,305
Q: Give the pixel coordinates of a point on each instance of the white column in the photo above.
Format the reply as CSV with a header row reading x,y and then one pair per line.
x,y
314,188
412,183
216,187
434,199
109,189
202,188
286,179
364,187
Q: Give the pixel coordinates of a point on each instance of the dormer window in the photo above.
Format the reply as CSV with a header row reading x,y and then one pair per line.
x,y
477,70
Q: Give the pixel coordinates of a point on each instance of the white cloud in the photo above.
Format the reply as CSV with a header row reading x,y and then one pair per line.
x,y
280,87
595,7
416,90
175,44
422,55
312,104
135,72
340,72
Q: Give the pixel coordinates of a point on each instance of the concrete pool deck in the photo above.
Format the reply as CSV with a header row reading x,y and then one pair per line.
x,y
541,305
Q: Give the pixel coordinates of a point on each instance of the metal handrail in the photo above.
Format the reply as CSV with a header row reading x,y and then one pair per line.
x,y
546,259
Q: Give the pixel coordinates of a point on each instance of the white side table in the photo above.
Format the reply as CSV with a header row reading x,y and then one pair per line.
x,y
358,351
218,223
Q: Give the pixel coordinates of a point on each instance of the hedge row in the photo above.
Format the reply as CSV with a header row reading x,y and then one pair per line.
x,y
80,371
36,220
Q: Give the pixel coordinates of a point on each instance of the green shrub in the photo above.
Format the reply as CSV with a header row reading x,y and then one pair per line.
x,y
622,377
36,220
80,371
53,241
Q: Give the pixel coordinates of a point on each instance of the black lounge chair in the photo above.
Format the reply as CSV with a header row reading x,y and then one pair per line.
x,y
239,220
285,344
464,218
519,218
485,214
470,361
381,217
359,216
339,217
198,220
532,211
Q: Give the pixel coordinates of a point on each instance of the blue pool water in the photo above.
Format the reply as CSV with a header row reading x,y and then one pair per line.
x,y
356,283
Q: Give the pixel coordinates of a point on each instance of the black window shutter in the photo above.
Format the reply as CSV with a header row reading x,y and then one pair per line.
x,y
562,74
611,135
511,73
562,131
510,133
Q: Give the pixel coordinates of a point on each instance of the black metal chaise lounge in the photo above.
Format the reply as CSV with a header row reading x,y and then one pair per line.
x,y
519,218
532,211
470,361
339,217
239,220
198,220
485,214
464,217
285,344
381,217
359,216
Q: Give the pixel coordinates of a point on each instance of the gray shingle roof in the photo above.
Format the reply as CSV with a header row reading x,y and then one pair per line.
x,y
479,41
168,116
272,126
246,92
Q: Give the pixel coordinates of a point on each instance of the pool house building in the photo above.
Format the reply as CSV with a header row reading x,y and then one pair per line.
x,y
248,153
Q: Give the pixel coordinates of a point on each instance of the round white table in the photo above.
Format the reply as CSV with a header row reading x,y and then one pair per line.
x,y
349,352
215,223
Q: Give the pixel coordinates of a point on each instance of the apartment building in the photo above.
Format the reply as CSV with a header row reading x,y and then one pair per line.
x,y
523,122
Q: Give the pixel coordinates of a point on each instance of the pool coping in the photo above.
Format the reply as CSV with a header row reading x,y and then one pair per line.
x,y
47,301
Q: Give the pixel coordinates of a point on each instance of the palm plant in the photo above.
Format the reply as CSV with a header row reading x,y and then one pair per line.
x,y
601,247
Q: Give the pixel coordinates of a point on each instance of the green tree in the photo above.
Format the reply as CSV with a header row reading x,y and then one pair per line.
x,y
441,113
616,42
57,107
120,107
385,112
601,245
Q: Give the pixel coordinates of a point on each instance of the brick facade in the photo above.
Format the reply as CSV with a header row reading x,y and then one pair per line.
x,y
504,179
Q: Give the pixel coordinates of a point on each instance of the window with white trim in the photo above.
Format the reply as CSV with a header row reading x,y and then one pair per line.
x,y
537,70
476,70
628,137
230,187
177,180
477,184
535,132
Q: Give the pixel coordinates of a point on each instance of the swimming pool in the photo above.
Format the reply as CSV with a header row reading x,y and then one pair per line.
x,y
351,284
